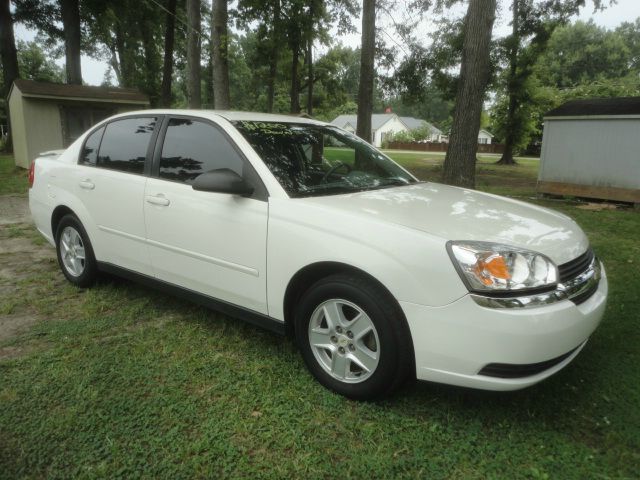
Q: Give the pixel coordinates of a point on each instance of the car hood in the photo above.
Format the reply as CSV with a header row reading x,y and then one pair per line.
x,y
453,213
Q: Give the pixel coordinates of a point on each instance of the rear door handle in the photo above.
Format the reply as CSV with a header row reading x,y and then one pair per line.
x,y
158,200
87,184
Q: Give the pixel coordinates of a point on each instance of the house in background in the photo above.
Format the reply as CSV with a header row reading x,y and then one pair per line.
x,y
50,116
484,137
590,149
383,126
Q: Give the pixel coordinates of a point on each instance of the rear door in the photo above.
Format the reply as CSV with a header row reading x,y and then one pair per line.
x,y
111,181
211,243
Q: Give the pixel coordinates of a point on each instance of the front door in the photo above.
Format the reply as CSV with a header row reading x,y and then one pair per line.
x,y
211,243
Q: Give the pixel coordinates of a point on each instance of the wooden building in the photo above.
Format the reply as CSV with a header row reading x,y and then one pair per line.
x,y
49,116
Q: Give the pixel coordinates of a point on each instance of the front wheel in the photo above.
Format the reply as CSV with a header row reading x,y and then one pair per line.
x,y
353,337
75,254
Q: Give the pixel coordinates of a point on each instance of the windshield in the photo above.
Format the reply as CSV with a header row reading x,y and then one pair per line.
x,y
321,160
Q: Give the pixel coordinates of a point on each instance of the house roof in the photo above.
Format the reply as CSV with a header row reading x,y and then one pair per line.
x,y
31,88
415,123
377,120
485,131
597,106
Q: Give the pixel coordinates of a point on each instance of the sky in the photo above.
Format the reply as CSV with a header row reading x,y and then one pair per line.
x,y
93,71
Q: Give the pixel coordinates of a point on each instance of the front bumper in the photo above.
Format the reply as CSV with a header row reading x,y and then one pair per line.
x,y
455,342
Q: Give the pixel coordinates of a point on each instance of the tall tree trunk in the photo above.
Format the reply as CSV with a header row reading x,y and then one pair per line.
x,y
273,57
507,156
310,75
114,63
167,66
8,52
193,54
271,81
124,57
152,65
220,40
208,92
71,25
367,57
295,81
460,161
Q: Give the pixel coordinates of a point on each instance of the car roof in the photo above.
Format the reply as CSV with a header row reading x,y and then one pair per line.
x,y
231,115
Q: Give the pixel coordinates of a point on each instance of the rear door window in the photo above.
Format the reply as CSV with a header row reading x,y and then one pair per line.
x,y
125,143
192,147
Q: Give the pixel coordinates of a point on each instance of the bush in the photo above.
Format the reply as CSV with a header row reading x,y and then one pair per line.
x,y
404,137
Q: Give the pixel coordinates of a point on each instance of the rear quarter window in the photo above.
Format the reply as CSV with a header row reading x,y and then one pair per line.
x,y
89,155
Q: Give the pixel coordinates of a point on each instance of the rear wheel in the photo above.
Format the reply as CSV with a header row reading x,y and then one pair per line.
x,y
353,337
75,254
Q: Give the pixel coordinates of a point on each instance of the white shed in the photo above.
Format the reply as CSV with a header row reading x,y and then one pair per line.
x,y
49,116
590,148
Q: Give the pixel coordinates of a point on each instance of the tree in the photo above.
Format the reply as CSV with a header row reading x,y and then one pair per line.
x,y
270,30
219,55
367,58
167,64
8,52
460,160
70,13
46,16
294,39
193,54
532,26
583,53
34,64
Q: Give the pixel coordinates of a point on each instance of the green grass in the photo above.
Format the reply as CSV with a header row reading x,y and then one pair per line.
x,y
517,180
12,179
121,381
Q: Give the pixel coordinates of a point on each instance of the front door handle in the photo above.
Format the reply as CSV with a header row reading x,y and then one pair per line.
x,y
87,184
158,200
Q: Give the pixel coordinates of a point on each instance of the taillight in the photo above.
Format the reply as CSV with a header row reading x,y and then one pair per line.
x,y
32,173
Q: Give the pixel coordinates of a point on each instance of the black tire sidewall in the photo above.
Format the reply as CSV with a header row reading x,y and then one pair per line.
x,y
384,318
88,276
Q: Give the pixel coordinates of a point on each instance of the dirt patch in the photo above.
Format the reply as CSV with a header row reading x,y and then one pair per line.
x,y
14,209
13,325
598,207
20,258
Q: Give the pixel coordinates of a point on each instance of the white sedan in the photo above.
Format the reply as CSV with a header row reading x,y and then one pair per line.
x,y
300,227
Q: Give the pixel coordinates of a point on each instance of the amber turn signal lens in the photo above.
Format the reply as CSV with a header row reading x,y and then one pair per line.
x,y
492,267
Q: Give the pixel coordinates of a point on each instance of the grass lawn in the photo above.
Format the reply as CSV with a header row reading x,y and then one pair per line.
x,y
122,381
12,178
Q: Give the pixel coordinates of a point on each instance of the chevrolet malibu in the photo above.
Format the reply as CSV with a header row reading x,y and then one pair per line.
x,y
301,227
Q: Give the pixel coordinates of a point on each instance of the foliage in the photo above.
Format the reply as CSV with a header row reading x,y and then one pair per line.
x,y
34,64
584,53
402,136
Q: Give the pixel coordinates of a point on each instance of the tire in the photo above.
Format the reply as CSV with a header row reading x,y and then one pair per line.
x,y
75,253
367,353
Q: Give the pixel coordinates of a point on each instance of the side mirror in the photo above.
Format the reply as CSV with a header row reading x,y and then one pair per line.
x,y
222,180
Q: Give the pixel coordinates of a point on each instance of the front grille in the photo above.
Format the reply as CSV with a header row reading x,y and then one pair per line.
x,y
509,370
585,295
572,269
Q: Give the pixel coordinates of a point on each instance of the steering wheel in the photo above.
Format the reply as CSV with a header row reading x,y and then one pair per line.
x,y
333,169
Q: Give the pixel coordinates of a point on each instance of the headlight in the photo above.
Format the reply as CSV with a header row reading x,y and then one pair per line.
x,y
491,267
